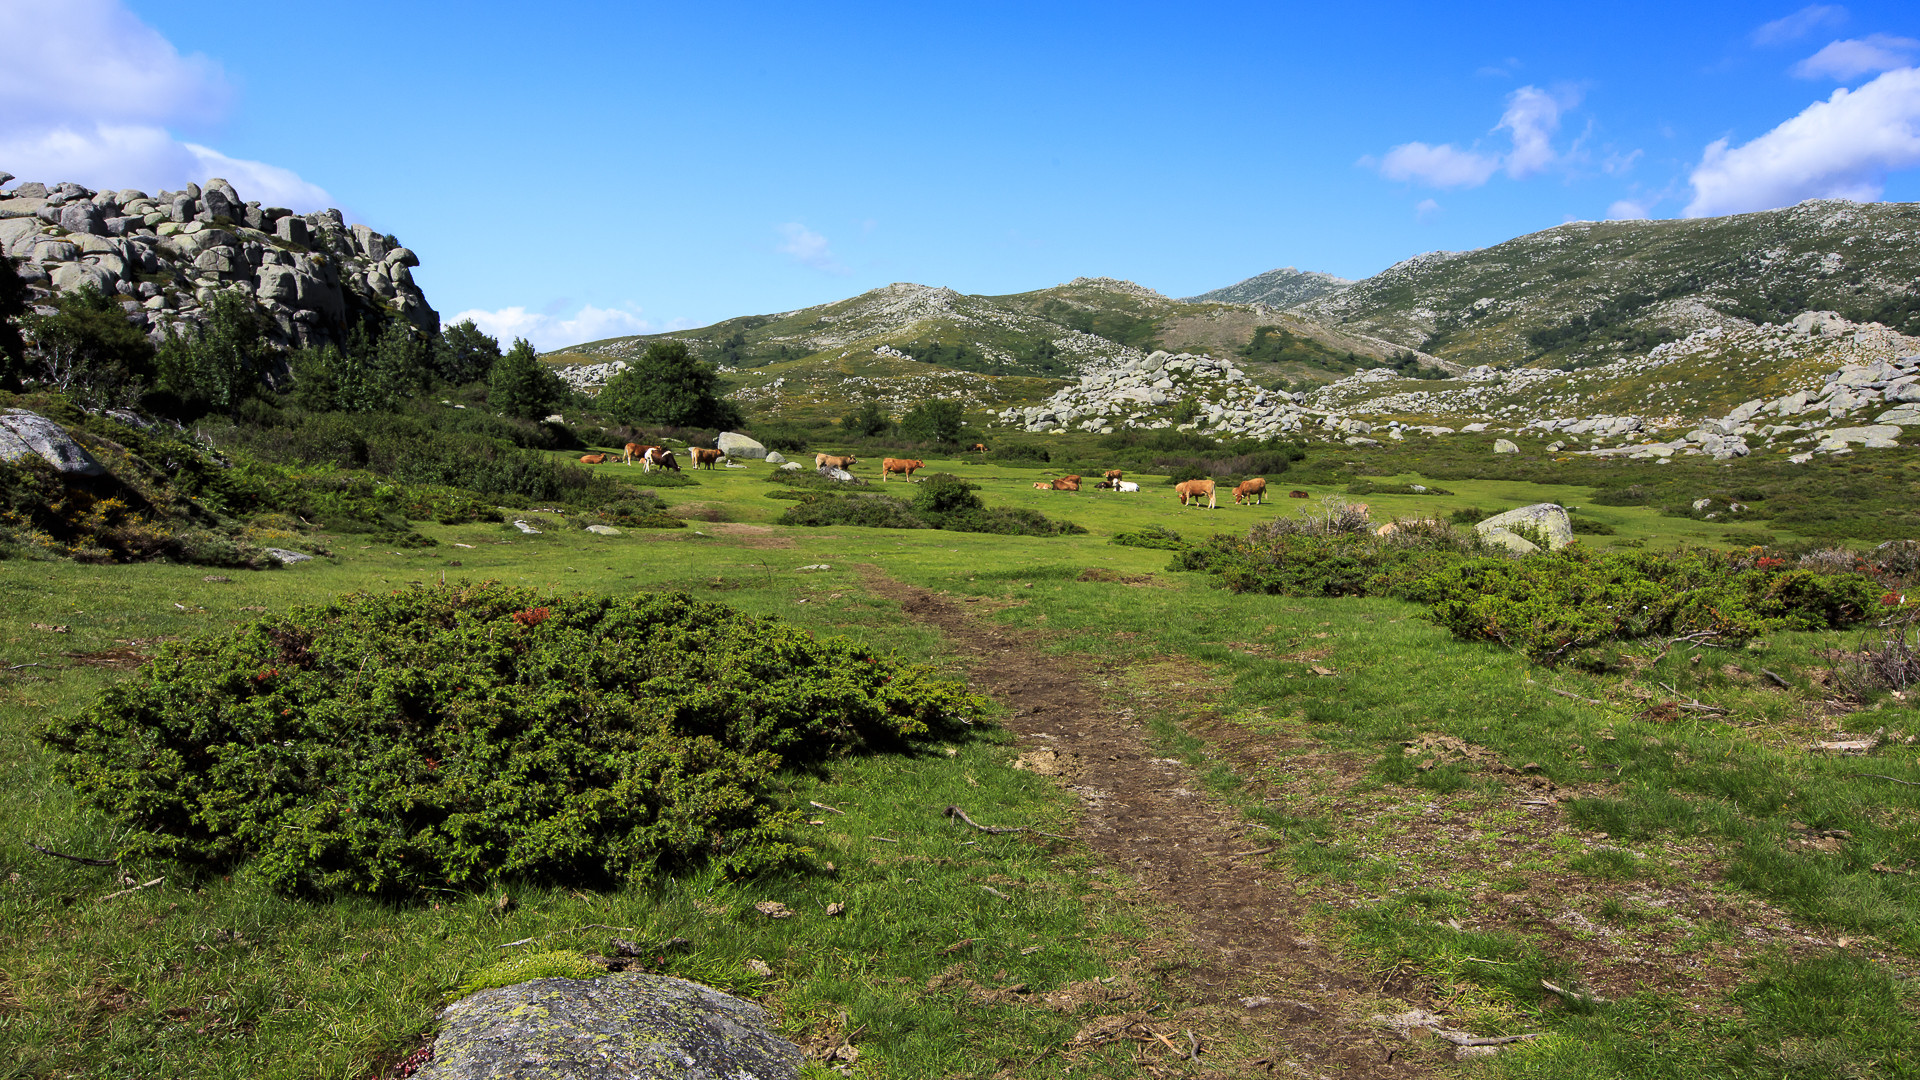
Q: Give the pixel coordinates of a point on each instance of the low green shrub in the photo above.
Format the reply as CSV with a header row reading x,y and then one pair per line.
x,y
1368,487
1153,536
1585,526
438,738
940,501
639,510
870,511
1009,521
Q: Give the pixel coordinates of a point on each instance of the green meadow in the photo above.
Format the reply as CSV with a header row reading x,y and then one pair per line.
x,y
1646,870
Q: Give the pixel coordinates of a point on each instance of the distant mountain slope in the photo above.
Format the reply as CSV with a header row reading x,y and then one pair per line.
x,y
889,342
1280,288
1587,292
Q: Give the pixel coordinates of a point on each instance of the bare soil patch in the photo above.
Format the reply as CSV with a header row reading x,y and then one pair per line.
x,y
1258,976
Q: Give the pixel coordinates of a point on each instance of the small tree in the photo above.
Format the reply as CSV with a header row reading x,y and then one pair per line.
x,y
521,386
465,354
87,348
667,386
869,420
933,421
218,366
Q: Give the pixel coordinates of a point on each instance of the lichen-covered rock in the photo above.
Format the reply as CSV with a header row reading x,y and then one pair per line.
x,y
1505,446
23,433
739,447
631,1027
1546,519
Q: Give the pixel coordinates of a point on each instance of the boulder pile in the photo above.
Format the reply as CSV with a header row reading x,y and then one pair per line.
x,y
1150,392
166,256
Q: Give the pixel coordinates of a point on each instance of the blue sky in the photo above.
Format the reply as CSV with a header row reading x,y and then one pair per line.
x,y
574,169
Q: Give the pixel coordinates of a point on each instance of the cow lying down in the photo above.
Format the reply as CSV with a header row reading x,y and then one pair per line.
x,y
1117,485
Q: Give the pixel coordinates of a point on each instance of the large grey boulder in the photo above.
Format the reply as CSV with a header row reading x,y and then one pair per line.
x,y
23,433
1505,446
630,1027
1549,519
739,447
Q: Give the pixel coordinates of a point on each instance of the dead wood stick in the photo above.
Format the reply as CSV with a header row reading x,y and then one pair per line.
x,y
884,839
1778,679
1193,1047
991,891
1868,775
1589,999
1164,1039
1255,851
824,806
1498,1040
17,667
956,812
82,859
1576,697
957,946
136,888
556,933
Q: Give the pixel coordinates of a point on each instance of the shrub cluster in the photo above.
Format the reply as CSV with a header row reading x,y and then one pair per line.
x,y
940,501
439,737
1551,606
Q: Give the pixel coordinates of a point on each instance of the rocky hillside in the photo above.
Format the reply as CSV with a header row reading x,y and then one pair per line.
x,y
166,255
906,342
1586,293
1282,288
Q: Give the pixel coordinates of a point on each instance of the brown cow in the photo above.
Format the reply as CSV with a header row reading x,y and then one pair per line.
x,y
1190,492
593,459
1296,494
656,455
1043,485
703,456
1254,491
830,461
977,448
1112,476
1067,483
634,450
903,466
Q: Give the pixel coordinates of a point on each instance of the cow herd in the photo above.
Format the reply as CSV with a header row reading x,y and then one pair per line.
x,y
1190,492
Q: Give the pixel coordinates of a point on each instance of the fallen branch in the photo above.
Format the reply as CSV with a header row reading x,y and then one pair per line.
x,y
1572,995
82,859
1255,851
1868,775
1455,1038
17,667
136,888
1777,679
556,933
824,806
884,839
1576,697
1694,704
956,812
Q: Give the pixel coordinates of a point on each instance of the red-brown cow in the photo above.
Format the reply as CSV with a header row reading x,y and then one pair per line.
x,y
703,456
1253,491
903,466
1192,491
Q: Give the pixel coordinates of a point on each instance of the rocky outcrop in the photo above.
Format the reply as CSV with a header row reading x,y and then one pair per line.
x,y
1547,521
739,447
1153,391
166,256
630,1027
28,434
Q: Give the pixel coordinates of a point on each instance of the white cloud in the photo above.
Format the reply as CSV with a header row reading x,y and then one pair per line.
x,y
1631,209
1426,210
1799,24
87,92
1842,147
1443,166
808,248
549,332
1532,116
1618,164
1844,60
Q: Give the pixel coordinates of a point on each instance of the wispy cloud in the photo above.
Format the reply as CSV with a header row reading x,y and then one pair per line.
x,y
1799,24
808,248
1426,210
548,331
1531,118
1842,147
1502,70
1631,209
87,93
1843,60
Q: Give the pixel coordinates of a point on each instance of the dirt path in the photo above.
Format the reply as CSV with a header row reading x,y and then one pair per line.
x,y
1146,816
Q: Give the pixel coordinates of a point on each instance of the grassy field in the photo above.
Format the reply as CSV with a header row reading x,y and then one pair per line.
x,y
1710,898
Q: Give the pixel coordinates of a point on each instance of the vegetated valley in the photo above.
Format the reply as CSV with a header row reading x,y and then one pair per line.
x,y
347,665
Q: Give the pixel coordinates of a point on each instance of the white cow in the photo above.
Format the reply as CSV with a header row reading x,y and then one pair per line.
x,y
1126,485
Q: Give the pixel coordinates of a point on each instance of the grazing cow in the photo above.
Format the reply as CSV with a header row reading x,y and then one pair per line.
x,y
977,448
703,456
593,459
1192,491
830,461
1254,491
1112,477
1067,483
903,466
1296,494
657,455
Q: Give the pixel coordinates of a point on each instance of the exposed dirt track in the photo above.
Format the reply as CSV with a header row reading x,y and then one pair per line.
x,y
1146,816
